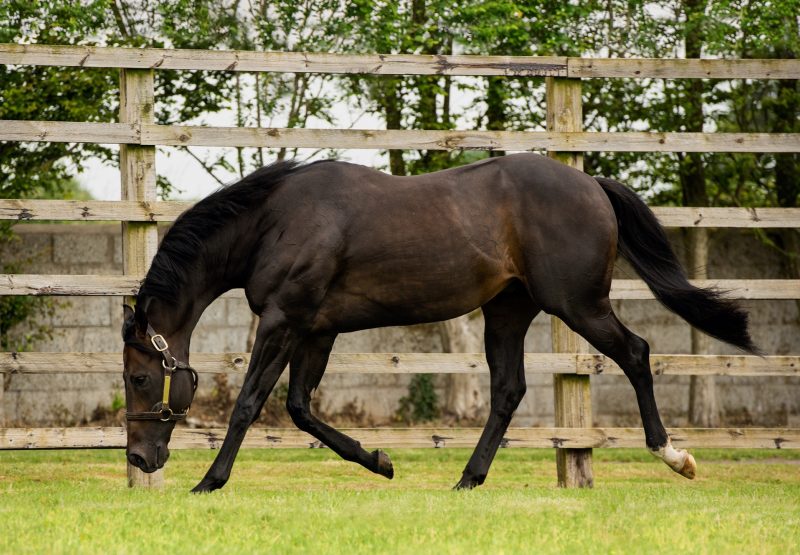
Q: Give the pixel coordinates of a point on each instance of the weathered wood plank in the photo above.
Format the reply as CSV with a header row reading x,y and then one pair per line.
x,y
748,289
670,216
295,62
259,438
698,365
73,284
666,68
116,285
137,165
136,211
413,363
69,132
185,135
470,140
571,393
91,210
394,64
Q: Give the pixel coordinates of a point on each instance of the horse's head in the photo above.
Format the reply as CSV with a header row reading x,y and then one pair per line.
x,y
158,391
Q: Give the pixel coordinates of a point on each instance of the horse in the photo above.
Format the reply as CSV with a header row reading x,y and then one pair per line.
x,y
331,247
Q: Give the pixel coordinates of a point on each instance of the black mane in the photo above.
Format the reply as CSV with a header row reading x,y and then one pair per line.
x,y
178,252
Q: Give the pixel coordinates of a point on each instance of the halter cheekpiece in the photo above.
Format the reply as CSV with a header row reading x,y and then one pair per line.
x,y
161,410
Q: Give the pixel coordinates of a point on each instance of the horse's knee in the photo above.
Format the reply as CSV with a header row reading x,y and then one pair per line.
x,y
506,399
244,414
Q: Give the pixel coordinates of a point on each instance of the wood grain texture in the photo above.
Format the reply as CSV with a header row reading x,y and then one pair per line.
x,y
572,393
418,363
394,64
25,210
116,285
728,217
666,68
747,289
186,135
137,165
261,438
160,211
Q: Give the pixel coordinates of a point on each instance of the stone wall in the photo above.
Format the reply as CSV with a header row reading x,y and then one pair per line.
x,y
92,324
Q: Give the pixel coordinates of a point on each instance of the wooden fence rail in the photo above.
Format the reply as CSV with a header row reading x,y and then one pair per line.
x,y
574,438
186,135
394,64
116,285
417,363
30,210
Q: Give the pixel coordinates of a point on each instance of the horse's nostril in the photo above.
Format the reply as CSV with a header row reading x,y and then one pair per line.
x,y
136,461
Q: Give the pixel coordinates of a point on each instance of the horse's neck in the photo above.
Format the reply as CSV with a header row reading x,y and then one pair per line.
x,y
176,320
210,279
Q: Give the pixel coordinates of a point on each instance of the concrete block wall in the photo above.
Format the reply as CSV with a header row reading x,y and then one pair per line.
x,y
92,324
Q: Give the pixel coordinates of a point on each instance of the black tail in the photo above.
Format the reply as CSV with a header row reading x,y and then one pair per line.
x,y
643,243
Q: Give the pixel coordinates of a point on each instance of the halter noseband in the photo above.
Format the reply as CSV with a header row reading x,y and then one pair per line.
x,y
161,410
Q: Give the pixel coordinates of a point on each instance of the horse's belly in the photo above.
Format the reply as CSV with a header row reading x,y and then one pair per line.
x,y
408,292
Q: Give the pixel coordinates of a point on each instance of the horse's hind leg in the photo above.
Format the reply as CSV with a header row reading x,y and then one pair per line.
x,y
306,370
507,318
600,326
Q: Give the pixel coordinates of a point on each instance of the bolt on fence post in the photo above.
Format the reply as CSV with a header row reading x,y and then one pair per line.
x,y
137,166
573,404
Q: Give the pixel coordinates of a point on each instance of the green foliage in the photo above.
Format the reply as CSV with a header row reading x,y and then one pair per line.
x,y
421,404
117,402
50,93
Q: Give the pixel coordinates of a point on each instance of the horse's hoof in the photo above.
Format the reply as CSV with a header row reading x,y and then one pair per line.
x,y
678,460
207,486
383,464
466,484
689,469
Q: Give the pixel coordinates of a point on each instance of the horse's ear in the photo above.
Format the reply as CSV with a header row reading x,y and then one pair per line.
x,y
140,316
128,321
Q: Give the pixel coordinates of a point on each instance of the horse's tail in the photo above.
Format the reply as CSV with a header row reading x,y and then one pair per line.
x,y
643,242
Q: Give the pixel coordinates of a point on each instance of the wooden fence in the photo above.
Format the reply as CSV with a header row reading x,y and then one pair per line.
x,y
139,210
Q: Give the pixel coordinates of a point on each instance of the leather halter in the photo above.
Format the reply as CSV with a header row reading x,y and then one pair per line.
x,y
161,410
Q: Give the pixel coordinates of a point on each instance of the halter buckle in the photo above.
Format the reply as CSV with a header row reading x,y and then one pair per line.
x,y
165,414
159,343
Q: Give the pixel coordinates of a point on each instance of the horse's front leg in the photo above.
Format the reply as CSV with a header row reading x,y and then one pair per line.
x,y
275,344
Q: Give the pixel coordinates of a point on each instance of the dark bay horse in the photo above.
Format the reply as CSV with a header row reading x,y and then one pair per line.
x,y
332,247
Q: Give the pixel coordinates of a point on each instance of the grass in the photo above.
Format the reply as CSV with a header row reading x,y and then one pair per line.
x,y
309,501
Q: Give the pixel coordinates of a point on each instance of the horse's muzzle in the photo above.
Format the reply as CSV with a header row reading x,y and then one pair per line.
x,y
158,457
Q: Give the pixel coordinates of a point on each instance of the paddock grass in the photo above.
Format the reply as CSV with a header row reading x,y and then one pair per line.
x,y
309,501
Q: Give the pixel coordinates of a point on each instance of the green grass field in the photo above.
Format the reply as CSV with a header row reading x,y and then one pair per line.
x,y
309,501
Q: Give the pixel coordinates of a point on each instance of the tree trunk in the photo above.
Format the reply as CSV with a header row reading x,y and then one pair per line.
x,y
703,405
394,118
464,401
787,166
496,107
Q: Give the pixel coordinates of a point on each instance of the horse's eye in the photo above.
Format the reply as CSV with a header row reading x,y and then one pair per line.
x,y
139,381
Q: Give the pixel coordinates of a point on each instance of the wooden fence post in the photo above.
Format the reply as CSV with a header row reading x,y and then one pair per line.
x,y
573,405
2,400
137,165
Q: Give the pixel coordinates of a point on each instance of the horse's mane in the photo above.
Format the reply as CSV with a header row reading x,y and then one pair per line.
x,y
188,237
